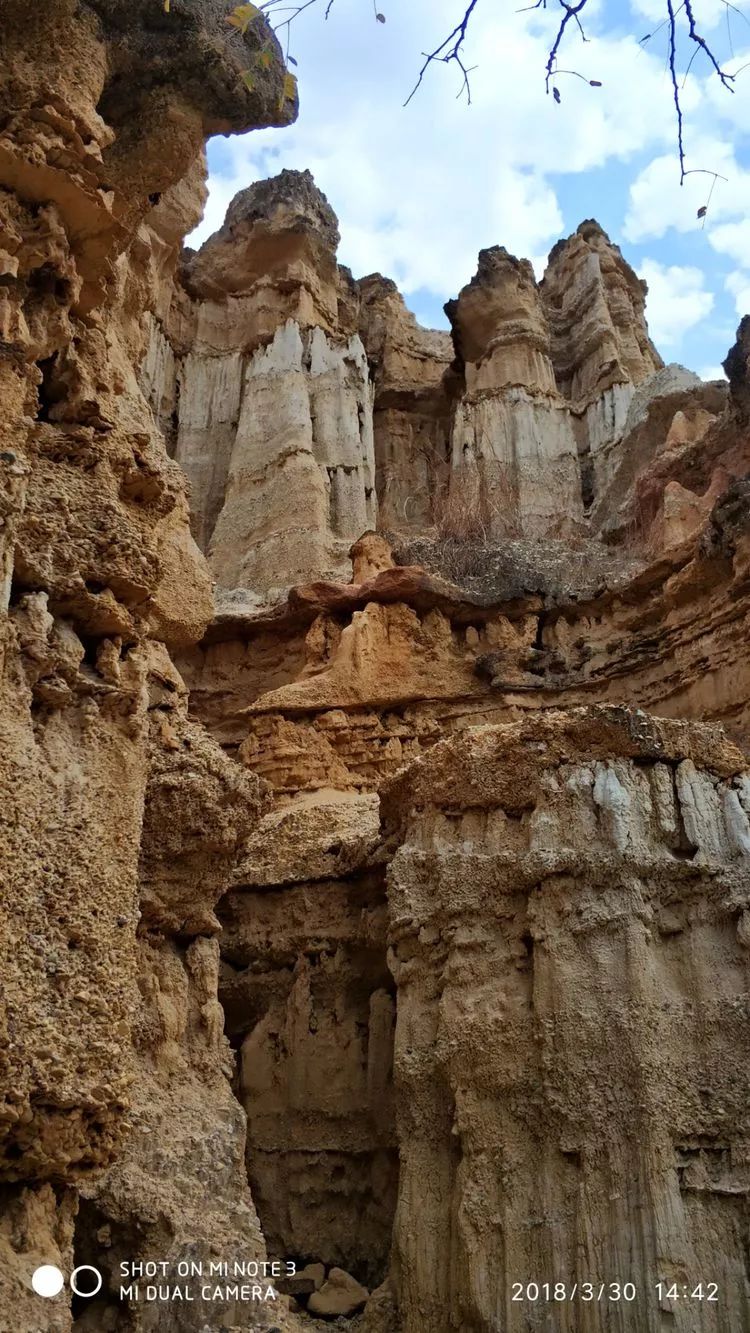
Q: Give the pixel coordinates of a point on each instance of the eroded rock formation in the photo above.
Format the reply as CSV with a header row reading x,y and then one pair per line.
x,y
412,375
355,914
623,581
260,366
568,926
111,1025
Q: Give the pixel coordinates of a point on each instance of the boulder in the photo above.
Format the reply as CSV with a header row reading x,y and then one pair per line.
x,y
340,1294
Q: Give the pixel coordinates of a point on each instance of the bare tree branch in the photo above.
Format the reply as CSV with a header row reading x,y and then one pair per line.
x,y
695,36
454,42
574,10
451,49
571,12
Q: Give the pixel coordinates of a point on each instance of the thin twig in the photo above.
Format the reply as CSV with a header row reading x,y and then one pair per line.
x,y
708,201
450,50
444,57
690,65
571,11
675,88
659,26
695,36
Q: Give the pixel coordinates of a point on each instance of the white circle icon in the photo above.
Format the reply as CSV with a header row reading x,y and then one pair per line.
x,y
85,1268
47,1280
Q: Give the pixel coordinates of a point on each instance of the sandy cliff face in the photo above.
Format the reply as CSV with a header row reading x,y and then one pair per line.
x,y
546,900
413,381
260,367
568,909
354,911
109,988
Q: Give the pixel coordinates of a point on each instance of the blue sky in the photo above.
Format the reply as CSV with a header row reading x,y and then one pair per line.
x,y
420,189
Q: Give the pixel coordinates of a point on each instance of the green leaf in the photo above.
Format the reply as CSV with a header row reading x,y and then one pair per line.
x,y
265,59
247,79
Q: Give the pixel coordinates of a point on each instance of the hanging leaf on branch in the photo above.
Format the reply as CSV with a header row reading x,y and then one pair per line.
x,y
289,90
242,16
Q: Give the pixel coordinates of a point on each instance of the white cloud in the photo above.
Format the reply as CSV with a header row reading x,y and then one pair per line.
x,y
658,202
739,285
420,189
708,12
677,300
733,239
712,373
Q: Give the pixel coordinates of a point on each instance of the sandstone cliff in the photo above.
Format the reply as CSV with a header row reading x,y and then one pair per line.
x,y
355,914
111,1028
259,365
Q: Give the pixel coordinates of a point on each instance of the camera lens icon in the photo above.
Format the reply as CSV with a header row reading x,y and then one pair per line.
x,y
48,1281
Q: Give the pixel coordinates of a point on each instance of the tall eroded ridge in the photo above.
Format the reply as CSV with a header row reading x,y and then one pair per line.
x,y
513,451
374,704
302,404
271,401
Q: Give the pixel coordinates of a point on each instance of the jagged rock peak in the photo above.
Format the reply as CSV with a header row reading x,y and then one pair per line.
x,y
409,366
387,321
496,259
291,201
595,307
279,236
495,266
588,230
500,308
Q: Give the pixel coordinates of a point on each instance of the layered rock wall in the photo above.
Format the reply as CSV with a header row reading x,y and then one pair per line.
x,y
514,459
309,1001
599,343
568,929
259,363
523,1155
108,1034
305,407
413,383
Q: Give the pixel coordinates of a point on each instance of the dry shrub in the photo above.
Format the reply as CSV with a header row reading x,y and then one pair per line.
x,y
473,509
400,480
478,505
472,514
